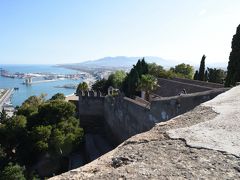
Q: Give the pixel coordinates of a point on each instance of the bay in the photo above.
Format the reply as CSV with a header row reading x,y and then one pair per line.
x,y
37,89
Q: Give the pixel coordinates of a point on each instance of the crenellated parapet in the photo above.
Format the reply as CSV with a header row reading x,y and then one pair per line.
x,y
90,94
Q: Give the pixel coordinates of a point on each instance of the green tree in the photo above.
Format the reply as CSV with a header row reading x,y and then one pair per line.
x,y
206,75
116,79
233,70
216,75
3,116
40,136
201,75
55,111
195,77
12,133
3,157
101,85
58,96
66,137
148,83
132,79
155,70
184,69
82,87
30,106
12,172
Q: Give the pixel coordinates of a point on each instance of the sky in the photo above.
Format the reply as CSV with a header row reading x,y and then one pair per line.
x,y
68,31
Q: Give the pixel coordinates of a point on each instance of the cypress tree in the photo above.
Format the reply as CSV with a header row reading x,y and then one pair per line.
x,y
206,76
195,77
202,69
233,70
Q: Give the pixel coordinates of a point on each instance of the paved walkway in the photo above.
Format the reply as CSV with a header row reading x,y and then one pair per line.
x,y
221,132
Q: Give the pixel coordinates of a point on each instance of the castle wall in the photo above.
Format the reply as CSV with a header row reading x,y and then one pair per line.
x,y
126,117
200,83
170,87
166,108
91,111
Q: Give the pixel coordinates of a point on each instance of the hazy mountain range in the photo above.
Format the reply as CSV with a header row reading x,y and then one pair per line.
x,y
127,62
123,61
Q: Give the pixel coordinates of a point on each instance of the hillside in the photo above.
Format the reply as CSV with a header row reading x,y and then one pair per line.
x,y
123,61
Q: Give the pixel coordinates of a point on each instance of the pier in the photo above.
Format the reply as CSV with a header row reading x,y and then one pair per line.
x,y
5,98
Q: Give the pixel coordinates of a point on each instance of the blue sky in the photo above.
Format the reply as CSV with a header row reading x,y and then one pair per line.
x,y
64,31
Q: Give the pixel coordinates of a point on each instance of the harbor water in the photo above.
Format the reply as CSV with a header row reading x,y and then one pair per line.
x,y
49,88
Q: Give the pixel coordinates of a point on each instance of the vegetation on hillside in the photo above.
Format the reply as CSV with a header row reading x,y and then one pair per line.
x,y
213,75
82,87
130,83
115,80
40,129
147,83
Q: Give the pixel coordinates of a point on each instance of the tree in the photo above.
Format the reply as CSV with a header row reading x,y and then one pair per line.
x,y
58,96
216,75
12,133
101,85
82,87
55,111
30,106
206,75
184,69
233,70
202,69
132,79
147,84
155,70
3,116
40,136
116,79
12,172
195,77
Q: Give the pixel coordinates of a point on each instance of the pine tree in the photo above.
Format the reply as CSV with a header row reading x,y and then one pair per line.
x,y
202,69
233,70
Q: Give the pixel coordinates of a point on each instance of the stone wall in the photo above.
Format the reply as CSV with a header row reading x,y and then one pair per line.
x,y
125,117
166,108
172,87
200,83
91,110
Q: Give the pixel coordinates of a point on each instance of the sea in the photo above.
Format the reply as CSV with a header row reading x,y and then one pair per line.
x,y
48,88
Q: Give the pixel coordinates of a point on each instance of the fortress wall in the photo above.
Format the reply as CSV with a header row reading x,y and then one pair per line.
x,y
201,83
125,117
90,110
166,108
170,87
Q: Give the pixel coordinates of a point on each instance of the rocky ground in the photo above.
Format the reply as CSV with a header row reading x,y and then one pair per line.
x,y
165,152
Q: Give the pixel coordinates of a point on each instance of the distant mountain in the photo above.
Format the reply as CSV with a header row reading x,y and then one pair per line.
x,y
123,61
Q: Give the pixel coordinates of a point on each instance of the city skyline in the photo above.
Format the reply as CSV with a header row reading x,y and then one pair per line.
x,y
55,32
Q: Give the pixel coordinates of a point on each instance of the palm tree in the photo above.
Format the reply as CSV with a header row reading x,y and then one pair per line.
x,y
82,87
148,83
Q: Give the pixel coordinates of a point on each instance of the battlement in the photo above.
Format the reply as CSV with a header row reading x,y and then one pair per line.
x,y
94,94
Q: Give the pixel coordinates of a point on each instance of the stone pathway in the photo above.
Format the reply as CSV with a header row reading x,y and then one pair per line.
x,y
222,132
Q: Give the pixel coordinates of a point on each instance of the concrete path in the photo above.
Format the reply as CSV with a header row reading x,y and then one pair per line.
x,y
220,133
